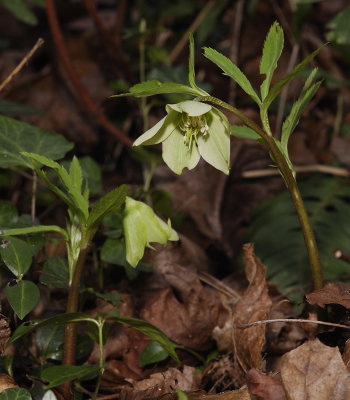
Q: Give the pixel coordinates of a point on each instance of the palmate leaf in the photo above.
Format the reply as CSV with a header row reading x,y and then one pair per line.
x,y
278,239
272,50
153,87
232,71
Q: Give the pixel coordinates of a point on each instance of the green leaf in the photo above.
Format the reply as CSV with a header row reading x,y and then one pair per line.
x,y
92,173
106,205
49,340
152,353
340,29
243,132
76,176
15,394
17,137
272,50
61,319
151,331
23,297
151,88
62,373
181,395
232,71
20,10
55,273
17,255
276,89
8,213
34,229
11,108
298,107
76,201
113,298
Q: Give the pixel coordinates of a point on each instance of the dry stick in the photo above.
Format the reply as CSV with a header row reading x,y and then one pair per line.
x,y
38,44
193,27
233,51
73,76
308,321
325,169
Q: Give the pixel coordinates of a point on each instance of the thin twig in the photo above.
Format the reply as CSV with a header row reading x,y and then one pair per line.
x,y
233,51
74,78
325,169
307,321
193,27
38,44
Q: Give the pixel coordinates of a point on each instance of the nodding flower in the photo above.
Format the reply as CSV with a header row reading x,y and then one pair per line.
x,y
191,130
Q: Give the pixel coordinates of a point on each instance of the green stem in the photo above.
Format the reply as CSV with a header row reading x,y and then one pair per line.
x,y
100,343
70,333
278,157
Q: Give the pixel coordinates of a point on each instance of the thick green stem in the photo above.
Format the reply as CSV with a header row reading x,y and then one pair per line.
x,y
278,157
70,333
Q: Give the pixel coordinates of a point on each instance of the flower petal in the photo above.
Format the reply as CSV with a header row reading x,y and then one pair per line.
x,y
215,146
160,131
176,153
194,108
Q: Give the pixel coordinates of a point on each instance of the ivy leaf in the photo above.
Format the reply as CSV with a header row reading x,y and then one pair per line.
x,y
55,273
153,87
15,394
17,255
232,71
62,373
17,136
23,297
272,50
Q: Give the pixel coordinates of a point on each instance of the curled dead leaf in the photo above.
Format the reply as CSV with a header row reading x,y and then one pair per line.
x,y
5,333
314,371
254,305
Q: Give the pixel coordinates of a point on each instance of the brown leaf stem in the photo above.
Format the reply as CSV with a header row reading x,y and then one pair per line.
x,y
88,102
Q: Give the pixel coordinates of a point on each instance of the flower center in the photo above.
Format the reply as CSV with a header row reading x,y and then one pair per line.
x,y
193,126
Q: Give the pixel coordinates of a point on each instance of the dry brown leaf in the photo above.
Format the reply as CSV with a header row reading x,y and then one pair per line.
x,y
187,312
5,333
239,394
161,383
254,305
314,371
332,293
265,387
6,382
346,355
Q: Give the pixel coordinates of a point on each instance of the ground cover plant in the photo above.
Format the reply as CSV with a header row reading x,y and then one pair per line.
x,y
184,330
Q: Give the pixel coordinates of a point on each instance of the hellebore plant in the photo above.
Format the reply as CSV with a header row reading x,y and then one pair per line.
x,y
193,128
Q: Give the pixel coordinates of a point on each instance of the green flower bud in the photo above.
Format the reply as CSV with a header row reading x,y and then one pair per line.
x,y
141,228
191,130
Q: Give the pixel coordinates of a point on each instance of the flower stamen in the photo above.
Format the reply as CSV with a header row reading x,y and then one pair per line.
x,y
192,127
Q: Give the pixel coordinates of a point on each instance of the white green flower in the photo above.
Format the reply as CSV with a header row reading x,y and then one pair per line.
x,y
141,228
191,130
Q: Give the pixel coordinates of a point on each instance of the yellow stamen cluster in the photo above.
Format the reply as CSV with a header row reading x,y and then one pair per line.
x,y
193,126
